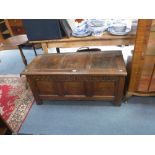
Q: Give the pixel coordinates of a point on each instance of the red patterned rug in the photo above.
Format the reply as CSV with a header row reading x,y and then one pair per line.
x,y
15,100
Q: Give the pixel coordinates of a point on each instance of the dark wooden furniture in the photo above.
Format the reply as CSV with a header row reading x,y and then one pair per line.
x,y
105,39
4,127
19,41
11,27
15,26
4,32
1,37
142,79
77,76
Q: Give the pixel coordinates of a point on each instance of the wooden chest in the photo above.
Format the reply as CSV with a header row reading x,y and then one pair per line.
x,y
77,76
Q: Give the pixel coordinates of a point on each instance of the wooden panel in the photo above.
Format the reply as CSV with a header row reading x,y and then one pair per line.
x,y
81,43
119,87
146,80
142,37
153,25
43,63
152,83
75,61
103,61
46,87
74,88
151,44
76,97
104,88
44,47
146,74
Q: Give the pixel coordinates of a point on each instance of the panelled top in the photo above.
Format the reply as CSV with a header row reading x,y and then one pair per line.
x,y
98,63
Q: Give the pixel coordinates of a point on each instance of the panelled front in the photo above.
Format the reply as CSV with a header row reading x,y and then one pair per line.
x,y
46,87
104,88
71,88
75,86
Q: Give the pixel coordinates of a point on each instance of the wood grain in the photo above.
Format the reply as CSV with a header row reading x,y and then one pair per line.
x,y
142,38
104,40
77,76
142,79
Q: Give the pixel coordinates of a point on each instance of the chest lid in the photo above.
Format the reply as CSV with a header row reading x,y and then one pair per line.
x,y
107,63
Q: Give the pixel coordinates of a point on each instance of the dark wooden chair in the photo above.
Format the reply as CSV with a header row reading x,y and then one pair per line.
x,y
19,41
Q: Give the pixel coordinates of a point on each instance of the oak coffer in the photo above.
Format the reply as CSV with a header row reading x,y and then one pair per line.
x,y
77,76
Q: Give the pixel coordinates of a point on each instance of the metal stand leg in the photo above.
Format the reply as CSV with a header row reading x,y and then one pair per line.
x,y
35,52
58,50
22,55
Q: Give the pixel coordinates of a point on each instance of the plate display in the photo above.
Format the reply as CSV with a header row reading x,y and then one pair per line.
x,y
81,34
113,32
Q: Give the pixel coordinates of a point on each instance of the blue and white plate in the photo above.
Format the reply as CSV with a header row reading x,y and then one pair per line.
x,y
88,33
113,32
